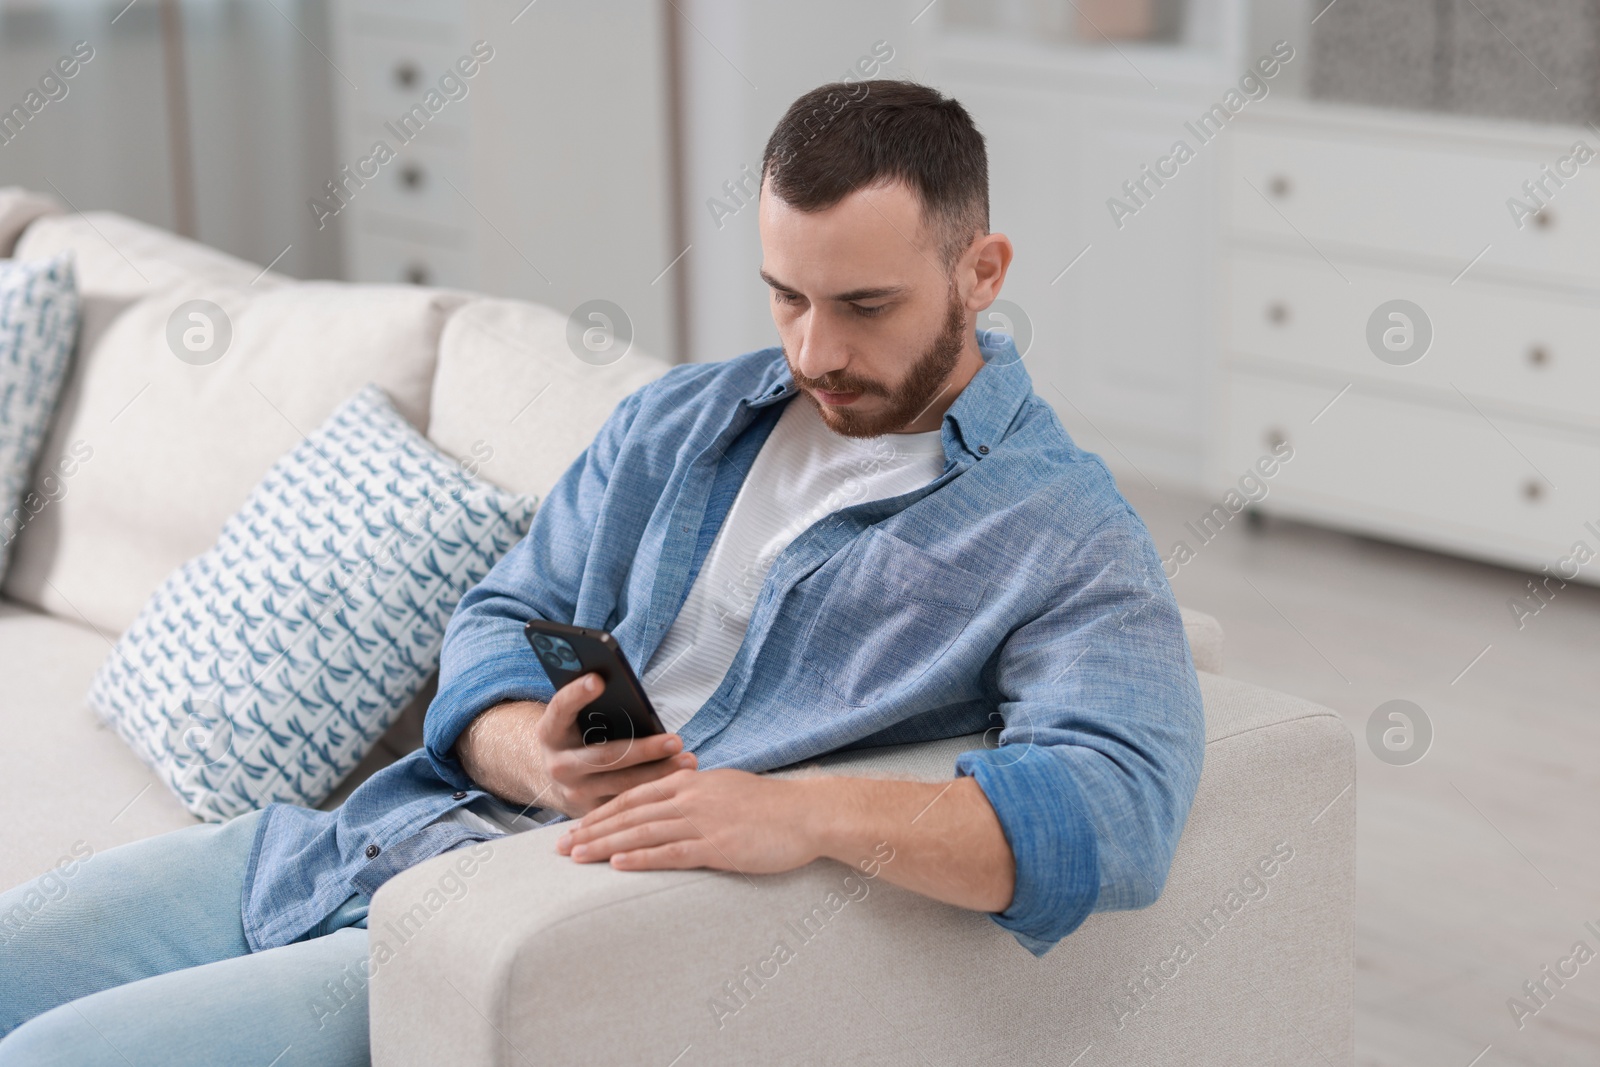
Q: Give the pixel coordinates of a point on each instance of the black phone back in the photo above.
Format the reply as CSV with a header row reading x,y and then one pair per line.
x,y
568,652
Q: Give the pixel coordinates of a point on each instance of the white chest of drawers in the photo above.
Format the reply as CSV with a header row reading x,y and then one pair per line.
x,y
411,221
542,166
1487,445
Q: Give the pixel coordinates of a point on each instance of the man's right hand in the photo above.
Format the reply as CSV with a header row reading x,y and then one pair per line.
x,y
531,753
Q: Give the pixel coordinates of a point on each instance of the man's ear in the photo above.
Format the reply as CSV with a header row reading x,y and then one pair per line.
x,y
986,263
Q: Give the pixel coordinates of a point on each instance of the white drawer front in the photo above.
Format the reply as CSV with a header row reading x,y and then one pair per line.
x,y
382,258
1441,200
423,182
1418,472
1497,344
396,76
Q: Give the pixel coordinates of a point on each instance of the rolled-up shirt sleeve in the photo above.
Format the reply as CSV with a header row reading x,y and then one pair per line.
x,y
1103,739
486,659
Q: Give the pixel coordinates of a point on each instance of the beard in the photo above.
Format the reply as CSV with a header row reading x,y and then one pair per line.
x,y
915,395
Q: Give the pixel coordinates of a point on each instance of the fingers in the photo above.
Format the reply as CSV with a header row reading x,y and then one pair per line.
x,y
661,829
613,755
557,730
581,776
650,824
555,726
627,752
590,788
620,809
614,783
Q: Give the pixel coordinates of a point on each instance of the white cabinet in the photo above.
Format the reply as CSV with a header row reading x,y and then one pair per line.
x,y
544,174
407,218
1529,352
1486,442
1416,468
1121,310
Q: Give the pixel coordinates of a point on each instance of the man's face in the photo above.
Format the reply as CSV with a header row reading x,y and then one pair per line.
x,y
865,309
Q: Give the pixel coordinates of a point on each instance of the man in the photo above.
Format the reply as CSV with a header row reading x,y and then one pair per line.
x,y
873,534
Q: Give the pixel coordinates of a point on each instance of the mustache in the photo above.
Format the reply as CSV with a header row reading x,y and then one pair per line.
x,y
866,388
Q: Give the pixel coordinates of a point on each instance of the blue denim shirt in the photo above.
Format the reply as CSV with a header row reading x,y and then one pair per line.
x,y
1016,593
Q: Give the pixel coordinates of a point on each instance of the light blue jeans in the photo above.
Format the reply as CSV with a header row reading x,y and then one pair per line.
x,y
136,956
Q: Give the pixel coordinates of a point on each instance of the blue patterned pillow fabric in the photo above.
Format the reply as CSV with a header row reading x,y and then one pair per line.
x,y
38,324
266,668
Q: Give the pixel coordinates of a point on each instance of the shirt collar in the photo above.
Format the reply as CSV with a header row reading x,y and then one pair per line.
x,y
980,416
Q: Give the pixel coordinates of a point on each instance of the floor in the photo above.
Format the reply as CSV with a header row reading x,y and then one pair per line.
x,y
1479,864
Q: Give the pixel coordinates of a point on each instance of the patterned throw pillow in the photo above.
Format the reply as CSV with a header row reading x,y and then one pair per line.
x,y
266,668
38,323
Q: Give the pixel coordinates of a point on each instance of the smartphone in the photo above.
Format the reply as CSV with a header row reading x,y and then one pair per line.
x,y
622,710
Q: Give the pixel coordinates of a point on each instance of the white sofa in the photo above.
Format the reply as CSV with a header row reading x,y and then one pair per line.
x,y
543,960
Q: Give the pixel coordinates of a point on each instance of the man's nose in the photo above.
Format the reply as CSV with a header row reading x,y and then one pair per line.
x,y
822,350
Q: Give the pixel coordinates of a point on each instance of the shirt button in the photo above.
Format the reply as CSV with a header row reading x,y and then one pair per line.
x,y
458,795
373,850
984,449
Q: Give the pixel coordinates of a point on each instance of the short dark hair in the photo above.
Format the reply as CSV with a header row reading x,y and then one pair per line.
x,y
842,136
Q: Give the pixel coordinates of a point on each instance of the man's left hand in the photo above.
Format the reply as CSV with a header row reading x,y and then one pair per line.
x,y
724,819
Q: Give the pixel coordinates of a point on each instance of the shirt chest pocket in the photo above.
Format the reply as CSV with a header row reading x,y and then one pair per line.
x,y
888,616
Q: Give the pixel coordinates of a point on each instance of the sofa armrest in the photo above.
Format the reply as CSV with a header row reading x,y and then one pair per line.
x,y
1205,639
535,959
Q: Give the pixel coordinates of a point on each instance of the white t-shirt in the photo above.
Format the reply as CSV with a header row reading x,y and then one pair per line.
x,y
803,473
490,815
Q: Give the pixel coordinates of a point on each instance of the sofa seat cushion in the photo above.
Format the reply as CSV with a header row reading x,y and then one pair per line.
x,y
175,446
70,778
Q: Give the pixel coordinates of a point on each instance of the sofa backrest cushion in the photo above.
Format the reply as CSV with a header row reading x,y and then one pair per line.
x,y
120,256
510,393
168,449
119,260
18,208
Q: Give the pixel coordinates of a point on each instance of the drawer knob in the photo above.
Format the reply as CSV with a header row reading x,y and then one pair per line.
x,y
1533,489
1538,355
1279,187
411,176
1277,313
1543,219
416,273
1275,438
406,74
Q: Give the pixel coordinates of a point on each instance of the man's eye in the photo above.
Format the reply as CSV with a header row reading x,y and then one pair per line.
x,y
867,312
785,298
